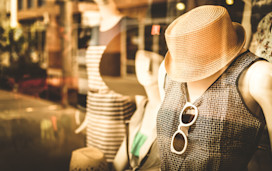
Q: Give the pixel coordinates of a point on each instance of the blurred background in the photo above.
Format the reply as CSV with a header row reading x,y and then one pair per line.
x,y
43,42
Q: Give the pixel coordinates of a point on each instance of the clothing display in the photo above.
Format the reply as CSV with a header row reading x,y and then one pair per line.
x,y
107,111
147,85
226,132
218,121
139,151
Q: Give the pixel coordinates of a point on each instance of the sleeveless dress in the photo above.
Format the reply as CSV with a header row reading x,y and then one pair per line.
x,y
226,132
107,111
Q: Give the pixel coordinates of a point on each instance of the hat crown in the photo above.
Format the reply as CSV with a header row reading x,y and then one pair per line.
x,y
196,19
201,42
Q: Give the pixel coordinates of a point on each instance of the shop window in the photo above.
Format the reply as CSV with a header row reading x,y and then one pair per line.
x,y
30,3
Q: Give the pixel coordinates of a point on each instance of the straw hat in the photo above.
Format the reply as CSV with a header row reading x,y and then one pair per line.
x,y
88,158
201,42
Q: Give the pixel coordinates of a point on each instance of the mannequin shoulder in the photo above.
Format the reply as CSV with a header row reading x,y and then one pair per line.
x,y
260,81
260,87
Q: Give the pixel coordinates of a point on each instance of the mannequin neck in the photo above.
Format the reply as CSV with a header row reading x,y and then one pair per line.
x,y
197,88
152,92
110,16
151,109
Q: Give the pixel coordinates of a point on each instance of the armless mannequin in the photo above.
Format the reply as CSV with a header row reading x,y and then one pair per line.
x,y
251,89
254,85
142,126
232,103
106,110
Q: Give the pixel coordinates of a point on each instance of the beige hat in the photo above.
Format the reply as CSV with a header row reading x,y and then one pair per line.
x,y
201,42
88,158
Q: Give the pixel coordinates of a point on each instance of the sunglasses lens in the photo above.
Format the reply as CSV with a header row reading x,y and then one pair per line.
x,y
178,142
188,115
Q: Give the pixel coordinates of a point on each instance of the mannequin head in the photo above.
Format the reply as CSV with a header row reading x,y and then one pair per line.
x,y
147,66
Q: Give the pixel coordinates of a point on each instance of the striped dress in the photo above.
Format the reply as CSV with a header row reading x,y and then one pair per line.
x,y
106,110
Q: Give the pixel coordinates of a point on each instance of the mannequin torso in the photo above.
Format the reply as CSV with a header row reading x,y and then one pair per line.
x,y
254,85
225,119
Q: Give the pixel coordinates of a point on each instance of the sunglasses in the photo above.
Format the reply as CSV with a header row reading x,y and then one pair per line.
x,y
187,117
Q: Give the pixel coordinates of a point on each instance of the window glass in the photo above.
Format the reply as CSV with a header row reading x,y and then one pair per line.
x,y
69,79
30,3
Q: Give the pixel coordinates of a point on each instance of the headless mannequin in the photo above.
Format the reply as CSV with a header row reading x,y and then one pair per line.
x,y
145,122
110,16
104,105
148,79
254,84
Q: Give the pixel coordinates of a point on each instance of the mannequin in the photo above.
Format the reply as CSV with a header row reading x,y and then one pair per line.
x,y
143,121
227,100
106,109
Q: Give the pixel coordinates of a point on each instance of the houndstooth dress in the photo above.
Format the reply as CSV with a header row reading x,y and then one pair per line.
x,y
225,133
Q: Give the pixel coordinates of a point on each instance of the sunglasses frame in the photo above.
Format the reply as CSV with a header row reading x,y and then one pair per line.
x,y
181,124
186,106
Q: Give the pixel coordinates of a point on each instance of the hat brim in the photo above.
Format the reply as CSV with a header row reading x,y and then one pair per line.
x,y
125,85
109,69
195,74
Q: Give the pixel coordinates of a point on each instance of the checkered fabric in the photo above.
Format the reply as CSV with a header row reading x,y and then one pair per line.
x,y
225,134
